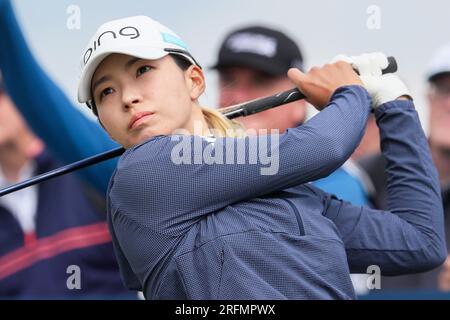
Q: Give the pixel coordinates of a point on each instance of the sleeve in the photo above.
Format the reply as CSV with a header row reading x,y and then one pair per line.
x,y
409,236
160,192
128,276
66,131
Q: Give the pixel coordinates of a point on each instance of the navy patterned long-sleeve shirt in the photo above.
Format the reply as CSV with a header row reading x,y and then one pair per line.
x,y
227,231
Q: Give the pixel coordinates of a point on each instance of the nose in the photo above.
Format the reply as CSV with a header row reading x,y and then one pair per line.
x,y
131,97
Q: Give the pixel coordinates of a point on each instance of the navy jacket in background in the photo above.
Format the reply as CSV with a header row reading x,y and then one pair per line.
x,y
69,232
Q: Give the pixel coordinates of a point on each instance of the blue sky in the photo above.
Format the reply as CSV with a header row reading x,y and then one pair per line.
x,y
410,31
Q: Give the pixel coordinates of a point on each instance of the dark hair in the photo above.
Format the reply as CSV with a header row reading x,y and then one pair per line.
x,y
180,61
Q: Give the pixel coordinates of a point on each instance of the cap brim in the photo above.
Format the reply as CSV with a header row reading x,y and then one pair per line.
x,y
142,52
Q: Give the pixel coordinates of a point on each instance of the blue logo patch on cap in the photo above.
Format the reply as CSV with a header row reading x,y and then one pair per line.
x,y
170,38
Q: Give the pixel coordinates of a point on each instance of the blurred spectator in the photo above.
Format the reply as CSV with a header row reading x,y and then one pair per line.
x,y
46,229
253,62
66,131
438,77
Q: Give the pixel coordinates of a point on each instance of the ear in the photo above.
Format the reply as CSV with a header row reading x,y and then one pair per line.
x,y
196,81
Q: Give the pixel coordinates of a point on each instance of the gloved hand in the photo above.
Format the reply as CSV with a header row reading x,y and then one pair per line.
x,y
382,88
367,64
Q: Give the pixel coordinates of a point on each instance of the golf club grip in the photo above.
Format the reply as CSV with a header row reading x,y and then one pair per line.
x,y
259,105
232,112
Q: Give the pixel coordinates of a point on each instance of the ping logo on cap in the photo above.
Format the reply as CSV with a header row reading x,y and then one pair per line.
x,y
129,32
254,43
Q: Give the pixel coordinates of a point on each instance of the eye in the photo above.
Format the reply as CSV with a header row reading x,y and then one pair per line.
x,y
140,71
105,92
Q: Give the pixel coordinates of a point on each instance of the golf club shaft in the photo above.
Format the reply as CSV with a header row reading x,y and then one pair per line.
x,y
243,109
240,110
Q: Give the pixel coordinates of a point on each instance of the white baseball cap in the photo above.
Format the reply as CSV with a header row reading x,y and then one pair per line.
x,y
138,36
439,63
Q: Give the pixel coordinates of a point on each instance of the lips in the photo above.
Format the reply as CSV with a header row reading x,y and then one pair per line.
x,y
135,119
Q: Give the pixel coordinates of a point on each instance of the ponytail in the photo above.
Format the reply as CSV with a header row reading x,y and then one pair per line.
x,y
221,126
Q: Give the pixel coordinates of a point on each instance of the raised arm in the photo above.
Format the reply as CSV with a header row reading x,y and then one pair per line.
x,y
66,131
409,237
149,180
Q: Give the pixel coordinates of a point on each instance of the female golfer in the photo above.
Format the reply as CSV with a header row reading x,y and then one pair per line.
x,y
202,230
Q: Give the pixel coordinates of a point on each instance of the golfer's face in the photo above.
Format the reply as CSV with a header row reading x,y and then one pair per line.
x,y
138,99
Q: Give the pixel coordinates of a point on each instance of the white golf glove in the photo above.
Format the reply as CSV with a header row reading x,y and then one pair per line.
x,y
382,88
367,64
385,88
